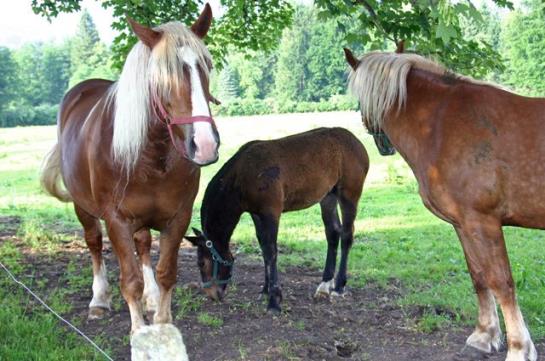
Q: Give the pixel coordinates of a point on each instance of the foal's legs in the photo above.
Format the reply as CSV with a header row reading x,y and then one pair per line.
x,y
121,236
267,232
101,289
142,240
349,211
265,288
486,255
168,264
332,224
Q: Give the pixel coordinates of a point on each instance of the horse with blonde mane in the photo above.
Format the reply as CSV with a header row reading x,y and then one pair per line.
x,y
129,153
477,152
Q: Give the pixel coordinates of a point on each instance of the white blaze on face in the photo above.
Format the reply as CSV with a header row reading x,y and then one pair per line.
x,y
203,134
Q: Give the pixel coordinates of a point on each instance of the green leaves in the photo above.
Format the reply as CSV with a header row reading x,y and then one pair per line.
x,y
247,25
429,27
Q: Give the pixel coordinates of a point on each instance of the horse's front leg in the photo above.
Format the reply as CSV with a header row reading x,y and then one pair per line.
x,y
486,256
132,285
168,264
267,232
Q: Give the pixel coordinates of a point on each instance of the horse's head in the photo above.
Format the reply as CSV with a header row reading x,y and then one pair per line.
x,y
178,72
215,265
382,141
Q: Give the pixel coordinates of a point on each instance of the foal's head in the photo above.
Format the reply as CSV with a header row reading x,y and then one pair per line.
x,y
369,119
215,265
166,78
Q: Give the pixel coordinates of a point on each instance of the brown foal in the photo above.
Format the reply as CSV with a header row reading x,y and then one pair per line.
x,y
267,178
129,153
477,152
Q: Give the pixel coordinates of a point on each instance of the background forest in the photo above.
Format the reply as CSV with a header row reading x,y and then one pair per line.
x,y
305,72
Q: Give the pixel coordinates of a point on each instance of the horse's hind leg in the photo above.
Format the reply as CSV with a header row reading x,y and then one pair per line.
x,y
168,264
348,200
330,217
486,256
101,289
142,240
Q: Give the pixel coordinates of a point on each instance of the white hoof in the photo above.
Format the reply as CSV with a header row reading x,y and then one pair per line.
x,y
324,289
484,341
529,353
103,301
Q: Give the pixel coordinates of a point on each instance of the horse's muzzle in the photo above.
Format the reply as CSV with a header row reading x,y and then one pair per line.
x,y
383,144
215,293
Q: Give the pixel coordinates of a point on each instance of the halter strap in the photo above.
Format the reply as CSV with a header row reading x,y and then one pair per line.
x,y
216,257
170,121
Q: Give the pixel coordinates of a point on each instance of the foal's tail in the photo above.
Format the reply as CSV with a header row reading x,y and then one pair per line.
x,y
51,177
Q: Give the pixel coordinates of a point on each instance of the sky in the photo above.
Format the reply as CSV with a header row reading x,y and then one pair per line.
x,y
18,24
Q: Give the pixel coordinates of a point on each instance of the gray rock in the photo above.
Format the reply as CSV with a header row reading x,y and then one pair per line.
x,y
161,342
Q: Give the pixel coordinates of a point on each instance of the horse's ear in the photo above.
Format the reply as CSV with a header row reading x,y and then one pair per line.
x,y
197,232
214,100
202,24
351,59
195,240
147,35
400,47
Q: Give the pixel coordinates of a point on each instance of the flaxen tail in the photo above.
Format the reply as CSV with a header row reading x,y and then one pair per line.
x,y
51,177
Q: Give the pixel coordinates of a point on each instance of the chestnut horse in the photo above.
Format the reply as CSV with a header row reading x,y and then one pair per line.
x,y
129,153
266,178
477,152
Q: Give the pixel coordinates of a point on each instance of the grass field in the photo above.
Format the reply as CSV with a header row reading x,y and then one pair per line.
x,y
397,240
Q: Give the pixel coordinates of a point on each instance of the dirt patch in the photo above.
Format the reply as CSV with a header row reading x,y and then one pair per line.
x,y
365,325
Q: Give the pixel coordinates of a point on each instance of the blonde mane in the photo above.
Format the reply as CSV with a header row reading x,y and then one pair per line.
x,y
380,81
146,75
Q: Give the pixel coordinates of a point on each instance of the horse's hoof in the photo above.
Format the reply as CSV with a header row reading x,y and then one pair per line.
x,y
470,353
324,289
275,311
96,313
319,295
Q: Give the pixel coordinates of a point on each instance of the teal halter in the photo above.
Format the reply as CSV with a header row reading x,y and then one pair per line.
x,y
217,261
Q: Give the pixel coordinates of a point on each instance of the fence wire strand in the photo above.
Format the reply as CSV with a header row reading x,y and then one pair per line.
x,y
55,313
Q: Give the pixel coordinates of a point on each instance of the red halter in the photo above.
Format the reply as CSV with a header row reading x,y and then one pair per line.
x,y
170,121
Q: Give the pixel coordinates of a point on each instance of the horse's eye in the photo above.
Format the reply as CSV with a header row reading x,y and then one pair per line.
x,y
200,264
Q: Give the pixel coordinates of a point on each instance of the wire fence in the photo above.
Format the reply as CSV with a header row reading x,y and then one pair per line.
x,y
77,330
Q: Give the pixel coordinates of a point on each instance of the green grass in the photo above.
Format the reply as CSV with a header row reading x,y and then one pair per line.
x,y
207,319
396,237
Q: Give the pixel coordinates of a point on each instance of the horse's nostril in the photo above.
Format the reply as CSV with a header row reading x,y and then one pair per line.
x,y
192,146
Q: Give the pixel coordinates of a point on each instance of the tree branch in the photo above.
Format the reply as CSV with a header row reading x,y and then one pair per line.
x,y
375,19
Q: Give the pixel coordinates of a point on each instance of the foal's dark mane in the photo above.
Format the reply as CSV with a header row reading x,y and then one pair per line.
x,y
221,207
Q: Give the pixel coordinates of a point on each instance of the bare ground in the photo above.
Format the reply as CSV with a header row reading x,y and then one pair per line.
x,y
367,324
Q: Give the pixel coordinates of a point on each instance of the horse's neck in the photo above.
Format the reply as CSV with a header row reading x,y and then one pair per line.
x,y
411,129
158,152
220,212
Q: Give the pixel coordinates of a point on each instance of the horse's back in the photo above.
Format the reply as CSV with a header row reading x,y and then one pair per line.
x,y
81,98
297,171
85,132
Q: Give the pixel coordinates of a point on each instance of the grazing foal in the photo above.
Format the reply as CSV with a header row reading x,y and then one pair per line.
x,y
266,178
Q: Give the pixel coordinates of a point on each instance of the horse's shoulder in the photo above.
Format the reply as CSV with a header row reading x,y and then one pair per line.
x,y
87,88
